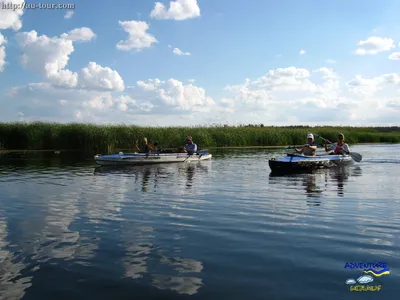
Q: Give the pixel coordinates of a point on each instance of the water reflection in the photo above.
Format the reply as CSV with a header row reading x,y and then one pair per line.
x,y
140,248
12,283
79,221
317,182
152,175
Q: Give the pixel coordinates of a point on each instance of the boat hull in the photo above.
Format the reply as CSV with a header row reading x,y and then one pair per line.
x,y
301,162
153,158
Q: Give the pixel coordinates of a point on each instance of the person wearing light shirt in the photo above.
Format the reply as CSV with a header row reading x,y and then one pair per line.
x,y
190,147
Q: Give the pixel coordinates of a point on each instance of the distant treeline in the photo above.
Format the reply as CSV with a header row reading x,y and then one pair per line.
x,y
109,138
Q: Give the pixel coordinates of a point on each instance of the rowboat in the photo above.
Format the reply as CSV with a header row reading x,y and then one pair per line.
x,y
151,158
303,162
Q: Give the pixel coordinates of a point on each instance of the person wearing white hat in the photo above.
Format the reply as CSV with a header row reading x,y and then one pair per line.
x,y
309,149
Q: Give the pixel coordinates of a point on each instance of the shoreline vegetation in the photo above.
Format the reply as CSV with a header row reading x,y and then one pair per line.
x,y
90,138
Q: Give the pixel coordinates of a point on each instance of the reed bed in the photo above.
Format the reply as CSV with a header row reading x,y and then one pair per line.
x,y
109,138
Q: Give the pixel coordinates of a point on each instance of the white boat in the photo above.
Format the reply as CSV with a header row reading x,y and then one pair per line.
x,y
151,158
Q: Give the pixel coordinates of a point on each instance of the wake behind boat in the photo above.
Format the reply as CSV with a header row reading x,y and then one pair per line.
x,y
304,162
151,158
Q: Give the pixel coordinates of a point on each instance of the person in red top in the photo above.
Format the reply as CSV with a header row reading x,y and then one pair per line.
x,y
340,147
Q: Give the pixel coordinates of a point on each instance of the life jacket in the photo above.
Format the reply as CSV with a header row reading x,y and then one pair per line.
x,y
338,148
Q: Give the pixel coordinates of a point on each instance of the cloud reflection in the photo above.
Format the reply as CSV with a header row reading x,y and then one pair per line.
x,y
12,283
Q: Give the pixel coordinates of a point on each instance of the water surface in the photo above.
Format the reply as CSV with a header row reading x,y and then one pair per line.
x,y
220,229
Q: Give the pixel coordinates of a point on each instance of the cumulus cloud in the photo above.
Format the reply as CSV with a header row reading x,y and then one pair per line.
x,y
79,34
394,56
178,51
291,95
374,45
47,56
331,61
69,14
138,39
95,77
10,18
3,41
302,51
166,101
367,87
44,101
176,95
179,10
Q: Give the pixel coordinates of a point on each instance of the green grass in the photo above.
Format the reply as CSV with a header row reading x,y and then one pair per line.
x,y
108,139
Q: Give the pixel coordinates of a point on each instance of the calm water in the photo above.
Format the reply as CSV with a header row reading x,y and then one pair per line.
x,y
224,229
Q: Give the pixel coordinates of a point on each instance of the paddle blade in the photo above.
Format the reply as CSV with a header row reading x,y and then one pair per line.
x,y
356,156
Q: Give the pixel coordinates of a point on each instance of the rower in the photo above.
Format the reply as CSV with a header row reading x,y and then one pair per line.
x,y
340,147
146,147
190,147
309,149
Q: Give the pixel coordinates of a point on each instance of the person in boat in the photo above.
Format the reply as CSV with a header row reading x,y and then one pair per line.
x,y
146,147
190,147
340,147
309,149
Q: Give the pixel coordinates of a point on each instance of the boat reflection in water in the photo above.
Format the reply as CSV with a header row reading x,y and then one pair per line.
x,y
159,174
143,247
317,182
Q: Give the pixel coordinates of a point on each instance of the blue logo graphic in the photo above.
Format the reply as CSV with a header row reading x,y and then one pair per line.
x,y
376,269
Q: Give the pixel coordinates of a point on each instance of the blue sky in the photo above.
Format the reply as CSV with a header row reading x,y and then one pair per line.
x,y
347,73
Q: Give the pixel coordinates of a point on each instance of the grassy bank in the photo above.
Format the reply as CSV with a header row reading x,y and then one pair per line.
x,y
107,139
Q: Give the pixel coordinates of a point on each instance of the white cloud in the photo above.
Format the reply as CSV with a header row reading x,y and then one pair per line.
x,y
191,80
302,51
367,87
394,56
69,14
138,36
3,41
374,45
49,57
178,10
79,34
331,61
10,18
43,101
95,77
176,95
166,101
178,51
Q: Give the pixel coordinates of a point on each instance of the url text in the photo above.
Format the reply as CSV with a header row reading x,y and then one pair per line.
x,y
24,5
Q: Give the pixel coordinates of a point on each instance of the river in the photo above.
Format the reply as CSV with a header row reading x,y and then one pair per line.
x,y
219,229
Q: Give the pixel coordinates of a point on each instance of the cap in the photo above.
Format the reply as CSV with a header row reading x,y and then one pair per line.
x,y
341,135
188,138
310,136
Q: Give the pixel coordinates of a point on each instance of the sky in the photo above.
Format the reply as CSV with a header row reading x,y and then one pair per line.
x,y
204,62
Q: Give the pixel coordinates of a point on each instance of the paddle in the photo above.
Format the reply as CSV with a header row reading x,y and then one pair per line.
x,y
200,153
354,155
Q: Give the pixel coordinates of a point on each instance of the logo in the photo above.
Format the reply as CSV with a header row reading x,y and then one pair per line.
x,y
368,281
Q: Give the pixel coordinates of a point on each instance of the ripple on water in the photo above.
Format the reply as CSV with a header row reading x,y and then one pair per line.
x,y
217,229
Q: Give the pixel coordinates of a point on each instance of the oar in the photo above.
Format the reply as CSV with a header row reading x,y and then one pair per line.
x,y
354,155
200,153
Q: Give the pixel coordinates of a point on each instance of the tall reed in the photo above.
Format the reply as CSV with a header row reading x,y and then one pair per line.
x,y
109,138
